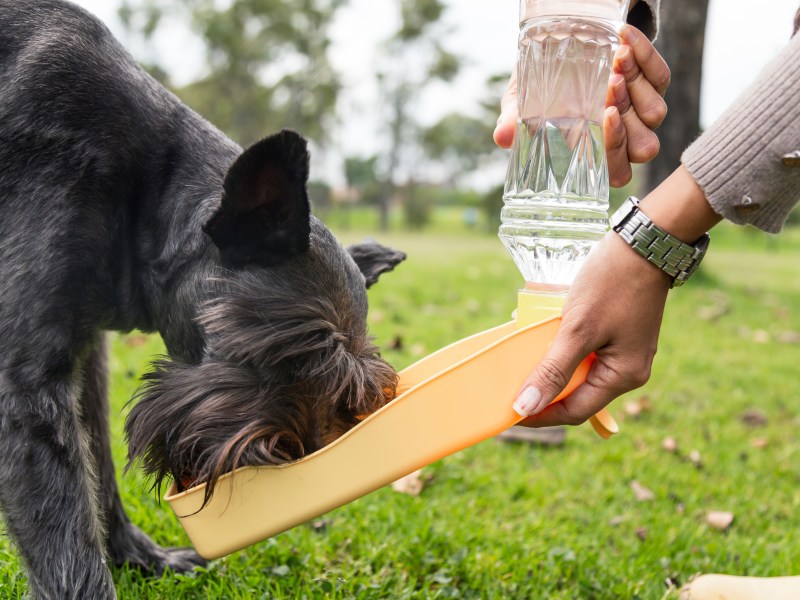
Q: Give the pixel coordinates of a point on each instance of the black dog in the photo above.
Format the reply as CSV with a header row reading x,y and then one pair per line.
x,y
120,208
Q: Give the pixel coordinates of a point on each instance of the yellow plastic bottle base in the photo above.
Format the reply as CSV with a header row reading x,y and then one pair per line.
x,y
450,400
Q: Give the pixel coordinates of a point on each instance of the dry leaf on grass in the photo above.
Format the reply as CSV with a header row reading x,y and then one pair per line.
x,y
788,337
696,459
410,484
636,407
135,340
719,519
418,350
669,444
641,493
641,533
760,443
760,336
754,418
617,521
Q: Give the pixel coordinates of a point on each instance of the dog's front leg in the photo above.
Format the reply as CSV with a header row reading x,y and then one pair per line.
x,y
125,542
47,491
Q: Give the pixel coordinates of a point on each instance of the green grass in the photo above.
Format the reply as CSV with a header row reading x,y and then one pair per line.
x,y
515,521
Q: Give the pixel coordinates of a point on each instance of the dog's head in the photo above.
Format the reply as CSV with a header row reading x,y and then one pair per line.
x,y
288,364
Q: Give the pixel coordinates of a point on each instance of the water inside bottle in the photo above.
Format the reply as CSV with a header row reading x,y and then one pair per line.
x,y
556,196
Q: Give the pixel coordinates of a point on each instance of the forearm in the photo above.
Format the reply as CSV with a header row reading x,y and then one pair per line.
x,y
679,206
739,161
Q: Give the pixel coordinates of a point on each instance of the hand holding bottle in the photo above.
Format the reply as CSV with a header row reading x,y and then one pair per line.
x,y
614,308
635,104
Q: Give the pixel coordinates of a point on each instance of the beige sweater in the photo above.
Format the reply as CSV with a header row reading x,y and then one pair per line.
x,y
748,162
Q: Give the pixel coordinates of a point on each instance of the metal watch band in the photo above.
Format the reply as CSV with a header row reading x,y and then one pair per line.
x,y
668,253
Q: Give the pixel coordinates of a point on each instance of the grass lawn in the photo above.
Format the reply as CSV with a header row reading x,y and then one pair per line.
x,y
515,521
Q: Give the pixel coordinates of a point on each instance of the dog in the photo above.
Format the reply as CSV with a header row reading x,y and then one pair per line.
x,y
120,208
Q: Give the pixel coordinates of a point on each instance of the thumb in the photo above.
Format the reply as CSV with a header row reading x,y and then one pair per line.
x,y
550,376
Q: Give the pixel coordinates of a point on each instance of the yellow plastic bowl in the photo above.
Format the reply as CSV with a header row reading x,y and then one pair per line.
x,y
450,400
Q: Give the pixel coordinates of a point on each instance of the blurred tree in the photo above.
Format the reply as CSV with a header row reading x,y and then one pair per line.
x,y
268,63
681,39
413,58
458,143
363,178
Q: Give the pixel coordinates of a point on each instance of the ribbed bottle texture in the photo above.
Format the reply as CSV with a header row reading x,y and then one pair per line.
x,y
556,194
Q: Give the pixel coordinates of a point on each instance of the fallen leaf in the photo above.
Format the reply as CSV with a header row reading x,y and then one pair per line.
x,y
713,311
760,443
396,343
616,521
754,418
320,526
761,336
788,337
669,444
641,493
720,306
719,520
636,407
419,350
781,313
641,533
135,340
411,484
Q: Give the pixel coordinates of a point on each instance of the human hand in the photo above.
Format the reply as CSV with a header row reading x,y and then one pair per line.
x,y
614,309
635,106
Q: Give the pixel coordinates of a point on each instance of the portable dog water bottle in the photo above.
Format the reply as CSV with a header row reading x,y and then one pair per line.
x,y
458,396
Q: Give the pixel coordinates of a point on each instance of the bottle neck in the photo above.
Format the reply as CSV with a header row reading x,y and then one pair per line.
x,y
538,302
606,10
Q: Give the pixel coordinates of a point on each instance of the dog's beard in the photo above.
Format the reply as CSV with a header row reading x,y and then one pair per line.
x,y
268,395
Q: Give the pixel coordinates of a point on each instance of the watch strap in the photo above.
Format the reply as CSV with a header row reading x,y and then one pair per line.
x,y
676,258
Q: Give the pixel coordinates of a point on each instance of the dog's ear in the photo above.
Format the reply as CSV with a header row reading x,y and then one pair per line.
x,y
265,216
373,259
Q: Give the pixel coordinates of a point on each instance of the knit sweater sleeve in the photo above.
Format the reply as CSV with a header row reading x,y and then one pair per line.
x,y
748,162
644,16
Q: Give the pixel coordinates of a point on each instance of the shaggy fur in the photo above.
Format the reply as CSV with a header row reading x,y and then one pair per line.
x,y
120,208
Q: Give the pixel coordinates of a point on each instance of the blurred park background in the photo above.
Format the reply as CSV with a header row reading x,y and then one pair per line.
x,y
399,97
704,476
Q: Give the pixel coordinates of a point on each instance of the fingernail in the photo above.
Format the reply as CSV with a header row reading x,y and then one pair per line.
x,y
626,60
528,401
629,34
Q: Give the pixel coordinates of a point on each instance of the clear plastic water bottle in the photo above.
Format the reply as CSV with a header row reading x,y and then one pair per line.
x,y
556,194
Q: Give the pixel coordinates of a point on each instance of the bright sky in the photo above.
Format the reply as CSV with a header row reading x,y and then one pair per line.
x,y
739,42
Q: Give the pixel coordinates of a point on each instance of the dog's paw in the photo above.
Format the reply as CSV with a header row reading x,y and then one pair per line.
x,y
129,545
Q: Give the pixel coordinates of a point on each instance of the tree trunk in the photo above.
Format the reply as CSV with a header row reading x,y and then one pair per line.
x,y
680,41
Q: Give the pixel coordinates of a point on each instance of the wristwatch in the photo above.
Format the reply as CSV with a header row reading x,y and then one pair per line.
x,y
668,253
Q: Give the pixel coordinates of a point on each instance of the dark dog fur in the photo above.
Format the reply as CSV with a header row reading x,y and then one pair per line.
x,y
120,208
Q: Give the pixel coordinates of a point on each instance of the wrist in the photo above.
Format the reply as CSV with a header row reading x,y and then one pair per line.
x,y
676,258
679,206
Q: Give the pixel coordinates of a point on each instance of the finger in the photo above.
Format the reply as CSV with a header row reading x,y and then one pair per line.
x,y
652,64
619,167
586,401
507,123
647,102
551,375
603,384
643,144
